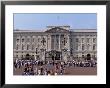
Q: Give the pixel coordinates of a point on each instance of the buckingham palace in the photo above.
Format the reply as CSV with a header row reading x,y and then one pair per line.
x,y
60,42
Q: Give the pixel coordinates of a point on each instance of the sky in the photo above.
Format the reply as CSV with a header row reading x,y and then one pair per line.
x,y
37,21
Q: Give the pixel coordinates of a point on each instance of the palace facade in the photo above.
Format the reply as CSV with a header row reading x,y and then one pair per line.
x,y
60,42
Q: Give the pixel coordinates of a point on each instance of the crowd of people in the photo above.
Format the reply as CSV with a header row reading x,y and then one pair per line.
x,y
37,67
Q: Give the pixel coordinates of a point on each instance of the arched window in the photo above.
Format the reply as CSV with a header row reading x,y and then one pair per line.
x,y
17,40
22,39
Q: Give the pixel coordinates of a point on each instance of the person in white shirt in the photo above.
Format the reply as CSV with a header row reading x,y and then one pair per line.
x,y
39,72
56,73
45,72
36,71
48,73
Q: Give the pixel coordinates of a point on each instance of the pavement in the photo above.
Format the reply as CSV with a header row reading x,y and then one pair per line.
x,y
68,70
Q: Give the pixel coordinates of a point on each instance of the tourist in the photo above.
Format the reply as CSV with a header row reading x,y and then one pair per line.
x,y
36,71
45,72
39,72
56,73
41,68
48,73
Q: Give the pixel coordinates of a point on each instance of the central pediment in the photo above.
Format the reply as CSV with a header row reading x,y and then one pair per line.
x,y
56,29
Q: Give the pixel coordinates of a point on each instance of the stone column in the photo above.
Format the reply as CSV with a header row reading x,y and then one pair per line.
x,y
42,54
59,43
55,43
35,57
68,42
65,56
49,43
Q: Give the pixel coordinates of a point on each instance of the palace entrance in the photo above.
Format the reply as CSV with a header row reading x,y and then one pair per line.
x,y
53,55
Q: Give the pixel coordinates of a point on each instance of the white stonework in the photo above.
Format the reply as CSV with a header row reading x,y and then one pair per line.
x,y
77,42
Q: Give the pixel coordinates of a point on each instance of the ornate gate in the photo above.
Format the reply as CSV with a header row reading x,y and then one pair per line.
x,y
53,55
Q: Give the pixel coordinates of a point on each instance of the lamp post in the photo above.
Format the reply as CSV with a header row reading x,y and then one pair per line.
x,y
43,41
43,48
36,53
64,53
45,55
65,41
42,51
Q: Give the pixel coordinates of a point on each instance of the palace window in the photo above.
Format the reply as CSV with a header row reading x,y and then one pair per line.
x,y
76,56
22,47
36,50
27,47
17,40
33,39
21,56
93,55
22,40
82,56
77,40
82,40
88,46
32,47
88,40
94,40
28,40
16,56
71,39
38,45
71,51
62,36
52,45
94,46
82,46
57,41
17,47
38,39
76,47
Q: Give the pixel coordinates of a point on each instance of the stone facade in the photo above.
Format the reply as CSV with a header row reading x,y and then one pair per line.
x,y
70,43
